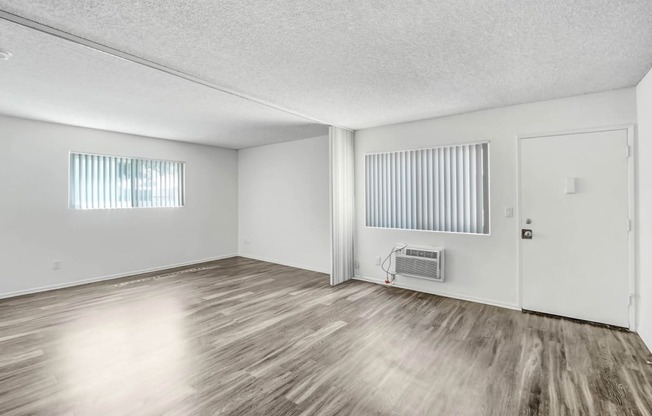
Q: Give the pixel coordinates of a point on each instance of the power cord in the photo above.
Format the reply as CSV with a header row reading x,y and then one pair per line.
x,y
387,271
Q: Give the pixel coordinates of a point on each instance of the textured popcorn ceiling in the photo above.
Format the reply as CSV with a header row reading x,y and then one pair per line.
x,y
55,80
362,63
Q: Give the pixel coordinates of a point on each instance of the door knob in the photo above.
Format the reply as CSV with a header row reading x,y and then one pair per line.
x,y
526,234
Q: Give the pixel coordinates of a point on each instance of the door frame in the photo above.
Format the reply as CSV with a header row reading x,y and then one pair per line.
x,y
631,192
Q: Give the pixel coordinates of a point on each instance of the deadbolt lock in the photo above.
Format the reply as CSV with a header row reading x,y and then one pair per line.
x,y
526,234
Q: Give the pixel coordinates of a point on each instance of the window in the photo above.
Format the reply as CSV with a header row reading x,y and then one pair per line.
x,y
438,189
105,182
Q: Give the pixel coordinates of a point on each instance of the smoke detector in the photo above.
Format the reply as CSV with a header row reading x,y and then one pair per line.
x,y
4,55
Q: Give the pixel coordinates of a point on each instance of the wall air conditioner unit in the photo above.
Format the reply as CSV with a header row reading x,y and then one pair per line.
x,y
422,262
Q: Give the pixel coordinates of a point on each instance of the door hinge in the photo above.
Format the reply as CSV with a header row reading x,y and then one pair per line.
x,y
628,151
629,225
631,300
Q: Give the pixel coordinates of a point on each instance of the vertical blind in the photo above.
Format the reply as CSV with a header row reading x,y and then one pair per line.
x,y
105,182
438,189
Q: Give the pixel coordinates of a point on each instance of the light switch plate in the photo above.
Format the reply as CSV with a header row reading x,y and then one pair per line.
x,y
571,185
509,212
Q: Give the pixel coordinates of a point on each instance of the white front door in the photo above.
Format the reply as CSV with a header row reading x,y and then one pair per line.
x,y
575,201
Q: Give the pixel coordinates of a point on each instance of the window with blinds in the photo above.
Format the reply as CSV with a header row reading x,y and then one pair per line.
x,y
439,189
109,182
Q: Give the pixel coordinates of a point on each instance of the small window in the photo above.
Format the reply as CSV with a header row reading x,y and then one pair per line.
x,y
438,189
108,182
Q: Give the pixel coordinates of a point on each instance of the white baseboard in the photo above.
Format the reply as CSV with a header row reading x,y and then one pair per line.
x,y
283,263
110,277
442,293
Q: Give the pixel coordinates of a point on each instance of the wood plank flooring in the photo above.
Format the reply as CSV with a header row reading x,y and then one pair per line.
x,y
243,337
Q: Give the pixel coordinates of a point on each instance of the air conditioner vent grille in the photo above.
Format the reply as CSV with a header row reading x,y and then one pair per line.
x,y
421,253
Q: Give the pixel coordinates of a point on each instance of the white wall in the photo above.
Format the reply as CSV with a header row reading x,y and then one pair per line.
x,y
284,203
37,227
644,108
480,268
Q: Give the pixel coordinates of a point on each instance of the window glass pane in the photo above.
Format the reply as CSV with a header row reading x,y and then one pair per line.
x,y
104,182
438,189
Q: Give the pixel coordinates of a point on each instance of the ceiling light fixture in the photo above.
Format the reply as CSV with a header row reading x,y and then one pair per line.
x,y
4,55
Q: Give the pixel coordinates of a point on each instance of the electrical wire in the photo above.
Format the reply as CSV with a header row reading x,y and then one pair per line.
x,y
389,266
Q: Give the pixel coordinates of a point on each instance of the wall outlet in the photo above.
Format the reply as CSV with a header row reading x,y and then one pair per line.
x,y
509,212
56,265
356,265
245,242
378,260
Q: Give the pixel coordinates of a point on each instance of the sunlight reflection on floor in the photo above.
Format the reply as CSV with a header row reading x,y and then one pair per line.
x,y
127,357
